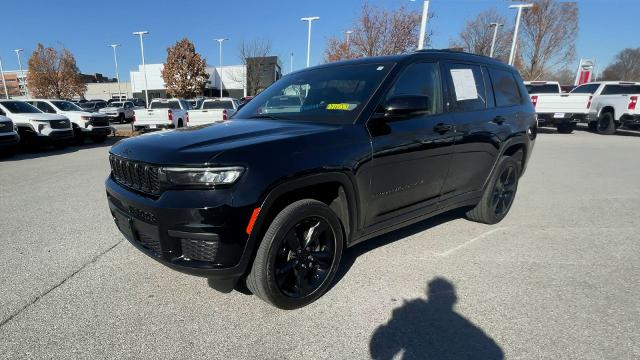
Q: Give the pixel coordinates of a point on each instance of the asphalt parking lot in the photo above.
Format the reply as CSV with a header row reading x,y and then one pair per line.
x,y
558,278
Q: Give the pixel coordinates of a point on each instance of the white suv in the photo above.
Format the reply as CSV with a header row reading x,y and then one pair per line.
x,y
85,124
9,137
36,127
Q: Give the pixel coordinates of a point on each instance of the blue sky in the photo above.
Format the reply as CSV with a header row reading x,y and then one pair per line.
x,y
87,27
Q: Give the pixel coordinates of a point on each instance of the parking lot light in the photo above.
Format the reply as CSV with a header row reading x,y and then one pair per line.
x,y
115,58
309,19
220,41
24,79
495,26
4,82
144,68
512,55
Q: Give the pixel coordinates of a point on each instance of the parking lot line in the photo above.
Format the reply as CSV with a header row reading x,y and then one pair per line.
x,y
481,236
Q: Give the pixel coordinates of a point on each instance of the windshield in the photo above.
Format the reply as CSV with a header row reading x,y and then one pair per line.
x,y
335,94
87,105
159,105
586,89
217,105
116,104
543,89
20,107
66,106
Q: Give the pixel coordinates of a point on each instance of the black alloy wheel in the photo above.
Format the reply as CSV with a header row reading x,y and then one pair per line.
x,y
606,125
305,257
504,191
298,256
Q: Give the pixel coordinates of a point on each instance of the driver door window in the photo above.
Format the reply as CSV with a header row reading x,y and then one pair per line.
x,y
420,79
44,107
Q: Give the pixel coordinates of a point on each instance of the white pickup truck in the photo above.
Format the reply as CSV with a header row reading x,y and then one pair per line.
x,y
555,108
212,110
162,114
36,127
85,124
611,104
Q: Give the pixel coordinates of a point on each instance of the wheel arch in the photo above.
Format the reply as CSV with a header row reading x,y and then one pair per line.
x,y
334,189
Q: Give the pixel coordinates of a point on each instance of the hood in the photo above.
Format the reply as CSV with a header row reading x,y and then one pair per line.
x,y
82,113
41,116
110,108
200,145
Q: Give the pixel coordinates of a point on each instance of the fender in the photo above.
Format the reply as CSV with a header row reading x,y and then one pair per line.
x,y
275,191
517,139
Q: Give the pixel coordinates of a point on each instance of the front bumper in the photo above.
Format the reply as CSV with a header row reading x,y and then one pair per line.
x,y
547,119
103,130
197,232
9,140
56,135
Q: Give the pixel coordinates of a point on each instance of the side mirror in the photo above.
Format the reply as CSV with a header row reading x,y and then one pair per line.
x,y
407,105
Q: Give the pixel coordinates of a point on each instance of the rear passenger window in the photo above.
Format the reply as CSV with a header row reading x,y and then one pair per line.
x,y
466,84
422,79
620,89
505,88
174,105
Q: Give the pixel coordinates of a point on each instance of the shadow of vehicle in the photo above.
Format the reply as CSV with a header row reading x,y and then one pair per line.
x,y
621,131
23,153
431,329
350,255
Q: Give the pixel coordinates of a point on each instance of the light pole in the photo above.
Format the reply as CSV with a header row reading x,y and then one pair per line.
x,y
24,79
220,41
4,82
423,24
512,55
348,33
144,67
291,63
115,58
309,20
495,34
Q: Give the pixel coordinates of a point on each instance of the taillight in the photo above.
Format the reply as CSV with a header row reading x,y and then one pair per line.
x,y
224,114
170,115
589,103
534,100
633,100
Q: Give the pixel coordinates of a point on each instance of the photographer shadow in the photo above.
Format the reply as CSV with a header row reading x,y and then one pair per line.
x,y
431,329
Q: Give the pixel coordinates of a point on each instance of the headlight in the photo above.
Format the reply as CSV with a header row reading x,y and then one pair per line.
x,y
85,118
177,176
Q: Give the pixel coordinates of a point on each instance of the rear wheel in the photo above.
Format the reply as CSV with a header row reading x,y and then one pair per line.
x,y
299,255
606,124
566,128
498,197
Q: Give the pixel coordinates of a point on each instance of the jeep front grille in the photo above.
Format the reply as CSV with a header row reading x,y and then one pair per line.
x,y
135,175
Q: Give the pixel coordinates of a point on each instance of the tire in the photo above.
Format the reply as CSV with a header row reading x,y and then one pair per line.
x,y
566,128
180,123
501,189
98,139
280,274
593,125
606,125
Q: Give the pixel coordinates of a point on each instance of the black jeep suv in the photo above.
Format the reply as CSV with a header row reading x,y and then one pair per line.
x,y
271,198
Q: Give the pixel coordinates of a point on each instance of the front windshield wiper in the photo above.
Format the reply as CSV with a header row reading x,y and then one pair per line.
x,y
266,116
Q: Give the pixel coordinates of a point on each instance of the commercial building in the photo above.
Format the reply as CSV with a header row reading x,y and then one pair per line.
x,y
15,81
233,79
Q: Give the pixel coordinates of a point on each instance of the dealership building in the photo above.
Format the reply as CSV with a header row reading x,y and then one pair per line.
x,y
232,79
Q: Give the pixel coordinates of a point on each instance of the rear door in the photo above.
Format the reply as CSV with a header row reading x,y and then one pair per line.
x,y
411,156
482,121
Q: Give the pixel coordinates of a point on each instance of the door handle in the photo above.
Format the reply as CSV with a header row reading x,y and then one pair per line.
x,y
442,128
499,119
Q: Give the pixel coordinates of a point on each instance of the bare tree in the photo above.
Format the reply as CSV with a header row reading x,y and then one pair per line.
x,y
549,32
184,72
626,66
378,32
477,35
253,56
54,74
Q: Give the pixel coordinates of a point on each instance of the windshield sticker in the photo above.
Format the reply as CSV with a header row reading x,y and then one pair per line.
x,y
380,68
343,106
464,84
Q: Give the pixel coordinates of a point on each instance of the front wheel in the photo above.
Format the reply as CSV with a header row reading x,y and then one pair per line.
x,y
498,197
299,255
